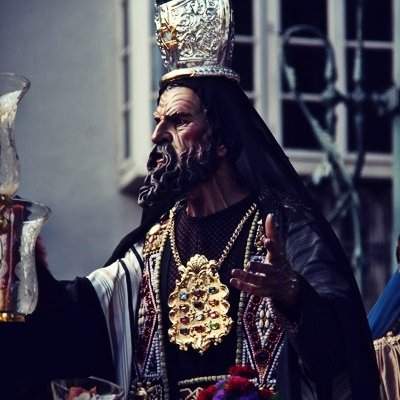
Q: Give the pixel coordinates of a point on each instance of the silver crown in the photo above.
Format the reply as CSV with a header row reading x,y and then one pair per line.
x,y
195,38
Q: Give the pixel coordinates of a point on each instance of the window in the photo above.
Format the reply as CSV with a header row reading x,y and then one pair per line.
x,y
136,102
257,53
336,19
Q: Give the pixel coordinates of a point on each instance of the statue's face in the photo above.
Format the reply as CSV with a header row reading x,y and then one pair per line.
x,y
180,118
184,154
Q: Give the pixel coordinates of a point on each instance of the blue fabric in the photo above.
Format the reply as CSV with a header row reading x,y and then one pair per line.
x,y
386,310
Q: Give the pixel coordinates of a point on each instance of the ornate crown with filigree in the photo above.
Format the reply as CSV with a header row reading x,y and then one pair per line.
x,y
195,38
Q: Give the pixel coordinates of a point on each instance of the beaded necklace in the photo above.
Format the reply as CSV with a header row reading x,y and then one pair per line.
x,y
198,304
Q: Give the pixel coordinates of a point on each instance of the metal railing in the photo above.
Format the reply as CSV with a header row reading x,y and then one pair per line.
x,y
345,185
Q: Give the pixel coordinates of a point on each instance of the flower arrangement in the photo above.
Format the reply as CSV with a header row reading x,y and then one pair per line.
x,y
237,386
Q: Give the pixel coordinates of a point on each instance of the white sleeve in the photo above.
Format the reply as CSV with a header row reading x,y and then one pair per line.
x,y
117,287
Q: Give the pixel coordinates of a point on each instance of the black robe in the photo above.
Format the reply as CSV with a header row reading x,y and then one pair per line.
x,y
67,335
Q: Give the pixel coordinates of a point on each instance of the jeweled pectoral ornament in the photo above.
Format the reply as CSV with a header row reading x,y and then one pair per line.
x,y
199,306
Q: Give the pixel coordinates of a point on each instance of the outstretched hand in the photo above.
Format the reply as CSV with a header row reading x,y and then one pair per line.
x,y
272,278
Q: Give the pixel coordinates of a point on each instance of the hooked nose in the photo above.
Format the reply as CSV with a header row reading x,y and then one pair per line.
x,y
161,132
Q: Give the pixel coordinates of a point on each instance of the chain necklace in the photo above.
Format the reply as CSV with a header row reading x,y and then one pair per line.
x,y
198,304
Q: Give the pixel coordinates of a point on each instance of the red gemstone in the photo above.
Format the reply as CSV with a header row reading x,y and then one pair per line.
x,y
185,320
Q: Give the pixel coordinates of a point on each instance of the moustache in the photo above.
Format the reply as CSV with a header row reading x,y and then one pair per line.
x,y
161,156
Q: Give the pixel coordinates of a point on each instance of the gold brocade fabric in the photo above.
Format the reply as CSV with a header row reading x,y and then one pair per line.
x,y
387,350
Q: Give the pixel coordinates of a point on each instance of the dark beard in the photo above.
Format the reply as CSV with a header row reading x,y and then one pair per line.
x,y
176,175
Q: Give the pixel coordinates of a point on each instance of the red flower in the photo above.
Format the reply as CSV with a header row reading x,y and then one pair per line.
x,y
265,394
243,370
76,391
207,393
238,384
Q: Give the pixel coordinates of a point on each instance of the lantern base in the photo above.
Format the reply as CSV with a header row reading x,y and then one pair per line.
x,y
6,316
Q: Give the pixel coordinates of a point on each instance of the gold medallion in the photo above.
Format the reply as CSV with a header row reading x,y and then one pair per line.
x,y
199,306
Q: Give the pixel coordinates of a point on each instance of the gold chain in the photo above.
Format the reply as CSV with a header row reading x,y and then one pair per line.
x,y
228,246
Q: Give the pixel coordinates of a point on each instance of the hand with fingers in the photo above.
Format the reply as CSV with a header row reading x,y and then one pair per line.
x,y
274,277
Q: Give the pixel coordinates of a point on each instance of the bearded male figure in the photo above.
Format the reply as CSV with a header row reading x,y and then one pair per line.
x,y
233,263
297,317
